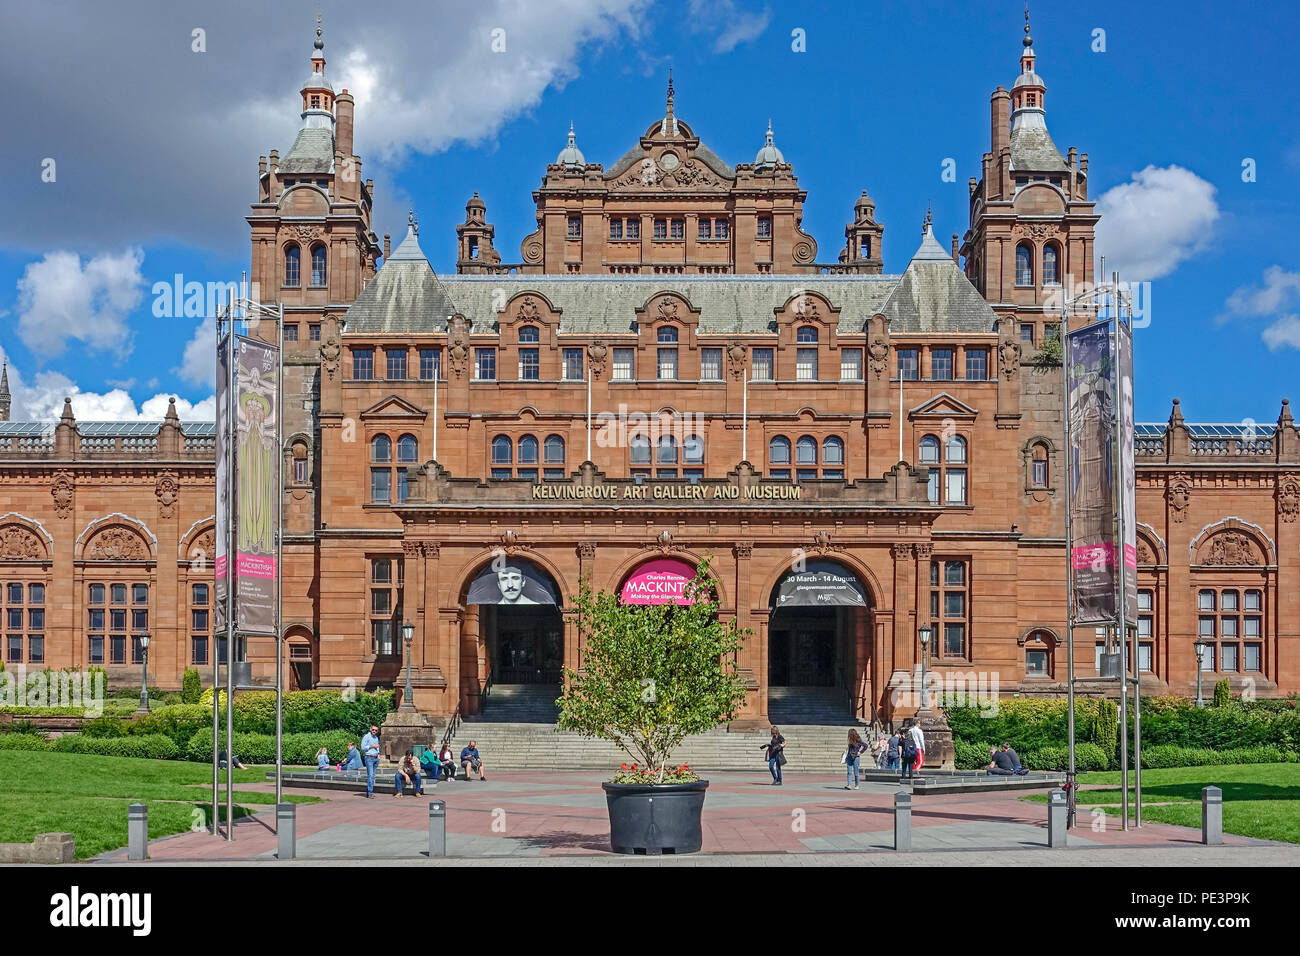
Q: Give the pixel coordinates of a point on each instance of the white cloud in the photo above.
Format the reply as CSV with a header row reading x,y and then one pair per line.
x,y
732,24
199,362
59,299
1154,222
1283,333
41,399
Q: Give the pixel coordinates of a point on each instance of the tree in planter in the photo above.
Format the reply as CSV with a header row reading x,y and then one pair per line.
x,y
653,674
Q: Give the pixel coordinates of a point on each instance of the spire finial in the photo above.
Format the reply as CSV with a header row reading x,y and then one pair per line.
x,y
669,125
929,218
1028,40
319,44
670,89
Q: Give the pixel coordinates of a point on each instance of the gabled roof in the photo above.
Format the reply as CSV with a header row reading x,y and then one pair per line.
x,y
394,406
943,404
405,296
934,295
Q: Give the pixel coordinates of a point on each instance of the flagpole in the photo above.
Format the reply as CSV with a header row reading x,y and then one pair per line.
x,y
744,419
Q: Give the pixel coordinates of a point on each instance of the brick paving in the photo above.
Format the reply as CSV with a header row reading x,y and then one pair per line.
x,y
521,815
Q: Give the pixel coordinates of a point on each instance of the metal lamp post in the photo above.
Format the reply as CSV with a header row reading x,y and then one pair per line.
x,y
925,653
1201,647
144,674
408,631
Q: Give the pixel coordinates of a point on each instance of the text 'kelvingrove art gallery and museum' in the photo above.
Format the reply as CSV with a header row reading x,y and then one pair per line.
x,y
669,371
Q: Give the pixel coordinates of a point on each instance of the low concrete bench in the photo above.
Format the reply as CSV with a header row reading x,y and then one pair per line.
x,y
45,848
341,779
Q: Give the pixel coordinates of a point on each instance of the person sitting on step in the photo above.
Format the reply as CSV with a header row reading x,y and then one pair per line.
x,y
470,761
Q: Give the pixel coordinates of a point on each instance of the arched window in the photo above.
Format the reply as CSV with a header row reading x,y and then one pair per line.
x,y
381,478
806,333
805,451
528,450
833,452
502,450
778,451
639,450
408,449
929,450
667,451
292,266
554,450
955,454
318,265
1038,655
381,449
529,333
1024,264
1051,265
693,450
1038,467
667,334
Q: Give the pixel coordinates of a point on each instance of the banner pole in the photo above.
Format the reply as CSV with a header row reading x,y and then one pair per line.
x,y
1070,772
279,564
1118,480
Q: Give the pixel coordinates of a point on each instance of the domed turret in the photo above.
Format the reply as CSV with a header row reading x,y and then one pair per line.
x,y
769,155
571,157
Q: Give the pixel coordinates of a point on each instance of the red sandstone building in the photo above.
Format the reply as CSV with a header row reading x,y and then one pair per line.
x,y
668,373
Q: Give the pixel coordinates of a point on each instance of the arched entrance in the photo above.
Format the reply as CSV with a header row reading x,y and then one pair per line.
x,y
522,635
820,617
300,665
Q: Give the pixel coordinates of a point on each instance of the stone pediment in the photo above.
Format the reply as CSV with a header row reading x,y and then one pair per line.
x,y
394,406
943,405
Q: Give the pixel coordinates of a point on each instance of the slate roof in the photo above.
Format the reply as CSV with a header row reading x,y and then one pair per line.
x,y
311,152
405,296
1032,149
934,295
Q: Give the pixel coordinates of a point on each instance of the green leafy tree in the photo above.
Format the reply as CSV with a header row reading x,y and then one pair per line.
x,y
191,687
1222,693
652,674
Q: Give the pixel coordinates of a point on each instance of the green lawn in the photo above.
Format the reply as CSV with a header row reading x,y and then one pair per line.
x,y
1259,800
87,795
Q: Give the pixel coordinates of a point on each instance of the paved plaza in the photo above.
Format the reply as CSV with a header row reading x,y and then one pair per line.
x,y
528,816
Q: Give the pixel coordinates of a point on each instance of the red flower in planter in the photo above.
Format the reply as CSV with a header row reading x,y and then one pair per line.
x,y
624,767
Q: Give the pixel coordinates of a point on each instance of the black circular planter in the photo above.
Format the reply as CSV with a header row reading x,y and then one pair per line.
x,y
655,818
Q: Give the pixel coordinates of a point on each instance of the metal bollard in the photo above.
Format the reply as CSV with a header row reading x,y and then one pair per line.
x,y
1212,816
286,831
902,820
137,831
437,828
1058,810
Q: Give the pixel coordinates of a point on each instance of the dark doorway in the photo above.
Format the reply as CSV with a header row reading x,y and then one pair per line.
x,y
803,646
526,643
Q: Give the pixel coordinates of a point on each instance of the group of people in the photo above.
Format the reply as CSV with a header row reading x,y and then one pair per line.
x,y
903,750
1004,762
410,771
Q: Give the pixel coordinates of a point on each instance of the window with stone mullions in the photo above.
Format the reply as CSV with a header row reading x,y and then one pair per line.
x,y
24,619
385,605
396,364
950,609
1231,619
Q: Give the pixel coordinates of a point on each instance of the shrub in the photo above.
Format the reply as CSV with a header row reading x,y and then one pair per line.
x,y
179,722
306,710
191,687
1166,755
1087,757
144,745
23,742
970,756
1030,724
18,727
298,749
1222,693
106,727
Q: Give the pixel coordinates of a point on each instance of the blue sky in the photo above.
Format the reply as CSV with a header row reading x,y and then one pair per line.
x,y
157,183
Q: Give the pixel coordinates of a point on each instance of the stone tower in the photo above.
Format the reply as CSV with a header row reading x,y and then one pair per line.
x,y
863,239
6,399
1031,222
475,252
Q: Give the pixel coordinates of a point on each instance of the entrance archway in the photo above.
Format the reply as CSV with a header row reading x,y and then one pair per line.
x,y
820,615
519,622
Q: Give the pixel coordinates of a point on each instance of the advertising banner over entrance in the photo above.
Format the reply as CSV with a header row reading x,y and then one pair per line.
x,y
513,581
1094,474
820,584
661,581
256,482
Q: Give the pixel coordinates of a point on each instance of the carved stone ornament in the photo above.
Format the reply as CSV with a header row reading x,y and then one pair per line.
x,y
61,489
806,308
205,546
1009,357
736,359
117,544
744,550
822,543
1179,496
596,353
1145,554
1288,498
663,542
901,552
19,544
458,346
1230,548
1037,230
667,309
924,552
306,233
528,310
167,490
586,550
878,356
329,354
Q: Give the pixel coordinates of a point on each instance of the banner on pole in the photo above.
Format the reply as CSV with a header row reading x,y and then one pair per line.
x,y
1127,471
1093,477
221,560
256,479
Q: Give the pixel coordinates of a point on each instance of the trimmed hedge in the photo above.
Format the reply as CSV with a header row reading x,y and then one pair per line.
x,y
306,711
299,749
1164,755
1030,724
24,742
149,746
179,722
1086,757
968,756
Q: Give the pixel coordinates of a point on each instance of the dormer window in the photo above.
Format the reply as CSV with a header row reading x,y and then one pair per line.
x,y
529,333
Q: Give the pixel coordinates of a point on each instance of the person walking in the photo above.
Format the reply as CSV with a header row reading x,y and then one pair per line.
x,y
370,747
893,750
852,754
918,740
775,751
907,754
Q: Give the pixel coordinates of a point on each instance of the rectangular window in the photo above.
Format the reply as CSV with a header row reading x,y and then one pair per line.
x,y
1229,658
1040,474
765,227
955,485
36,594
1027,334
634,229
36,648
1036,663
677,229
616,229
381,638
761,365
381,485
941,365
850,365
953,601
721,229
14,649
199,649
705,229
396,364
291,333
137,651
1144,657
909,364
430,364
485,364
575,227
806,365
530,365
401,485
711,365
117,648
573,365
1250,657
624,365
661,229
977,365
954,640
363,364
139,594
313,332
96,648
667,364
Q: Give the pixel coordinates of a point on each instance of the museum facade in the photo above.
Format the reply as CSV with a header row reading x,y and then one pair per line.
x,y
668,375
